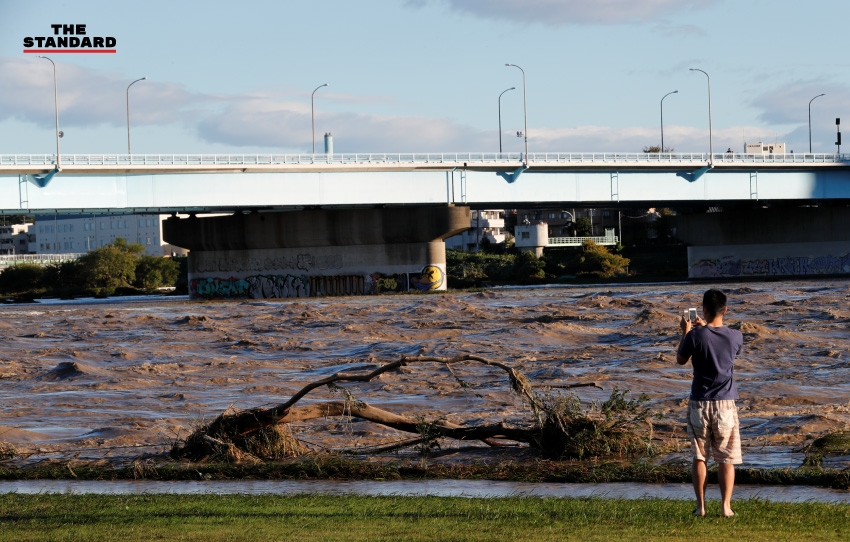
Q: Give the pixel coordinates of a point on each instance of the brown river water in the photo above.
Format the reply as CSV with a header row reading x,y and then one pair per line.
x,y
119,378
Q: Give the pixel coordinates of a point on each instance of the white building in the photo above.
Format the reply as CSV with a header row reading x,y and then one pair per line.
x,y
486,224
764,148
59,234
16,239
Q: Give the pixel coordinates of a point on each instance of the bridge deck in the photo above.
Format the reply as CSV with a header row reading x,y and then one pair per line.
x,y
199,182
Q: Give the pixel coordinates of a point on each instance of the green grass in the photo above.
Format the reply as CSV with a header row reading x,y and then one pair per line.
x,y
231,517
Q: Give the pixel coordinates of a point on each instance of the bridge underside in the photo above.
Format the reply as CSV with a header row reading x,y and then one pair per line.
x,y
765,242
317,252
68,192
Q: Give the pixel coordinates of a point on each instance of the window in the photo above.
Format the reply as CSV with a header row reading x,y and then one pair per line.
x,y
525,235
70,228
148,222
103,225
141,223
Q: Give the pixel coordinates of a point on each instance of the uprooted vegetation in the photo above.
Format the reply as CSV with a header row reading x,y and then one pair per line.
x,y
556,425
832,444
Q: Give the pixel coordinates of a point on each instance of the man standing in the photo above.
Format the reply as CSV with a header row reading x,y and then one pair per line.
x,y
712,414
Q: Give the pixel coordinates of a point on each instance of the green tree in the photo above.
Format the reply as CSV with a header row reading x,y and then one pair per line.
x,y
597,261
110,267
529,268
153,272
583,226
656,148
17,279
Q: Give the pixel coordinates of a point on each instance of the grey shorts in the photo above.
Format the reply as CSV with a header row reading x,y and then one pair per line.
x,y
714,429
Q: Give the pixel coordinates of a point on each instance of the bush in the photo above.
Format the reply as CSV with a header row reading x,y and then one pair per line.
x,y
152,272
22,278
110,267
597,261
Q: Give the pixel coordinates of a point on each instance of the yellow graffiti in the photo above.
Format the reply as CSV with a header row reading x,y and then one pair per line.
x,y
430,278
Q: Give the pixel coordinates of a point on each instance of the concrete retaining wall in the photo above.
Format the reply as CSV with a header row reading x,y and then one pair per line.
x,y
769,260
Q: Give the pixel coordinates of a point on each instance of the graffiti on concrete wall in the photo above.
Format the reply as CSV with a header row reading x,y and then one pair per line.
x,y
267,286
322,285
254,287
792,266
385,284
300,262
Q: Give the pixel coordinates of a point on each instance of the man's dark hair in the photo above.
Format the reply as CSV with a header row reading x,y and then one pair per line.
x,y
713,301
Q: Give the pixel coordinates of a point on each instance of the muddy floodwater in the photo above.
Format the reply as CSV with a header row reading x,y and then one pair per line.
x,y
117,379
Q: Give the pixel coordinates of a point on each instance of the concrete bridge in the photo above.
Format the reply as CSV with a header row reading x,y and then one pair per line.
x,y
194,183
375,222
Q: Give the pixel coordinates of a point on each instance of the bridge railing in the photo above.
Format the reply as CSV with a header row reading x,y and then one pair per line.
x,y
579,241
416,158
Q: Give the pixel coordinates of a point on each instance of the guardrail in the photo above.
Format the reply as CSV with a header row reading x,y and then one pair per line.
x,y
40,259
415,158
578,241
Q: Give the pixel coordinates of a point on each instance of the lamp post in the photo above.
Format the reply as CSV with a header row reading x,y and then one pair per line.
x,y
710,145
128,112
810,120
662,119
500,117
56,107
313,114
524,110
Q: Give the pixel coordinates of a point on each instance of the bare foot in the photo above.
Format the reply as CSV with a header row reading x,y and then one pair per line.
x,y
699,512
728,513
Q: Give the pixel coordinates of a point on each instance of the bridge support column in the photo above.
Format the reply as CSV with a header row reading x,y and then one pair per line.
x,y
317,252
780,242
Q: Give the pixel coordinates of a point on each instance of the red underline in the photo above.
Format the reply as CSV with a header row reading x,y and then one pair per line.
x,y
70,51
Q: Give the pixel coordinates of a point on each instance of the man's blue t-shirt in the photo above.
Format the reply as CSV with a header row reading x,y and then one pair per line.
x,y
712,351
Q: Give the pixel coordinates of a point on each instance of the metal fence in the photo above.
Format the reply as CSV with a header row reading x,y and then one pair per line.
x,y
415,158
39,259
578,241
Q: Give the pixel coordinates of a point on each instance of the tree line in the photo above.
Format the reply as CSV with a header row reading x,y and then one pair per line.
x,y
117,268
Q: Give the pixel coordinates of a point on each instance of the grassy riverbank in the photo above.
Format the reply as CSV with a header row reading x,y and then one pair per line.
x,y
349,518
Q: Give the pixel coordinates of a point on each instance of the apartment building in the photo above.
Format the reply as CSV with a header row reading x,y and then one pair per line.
x,y
59,234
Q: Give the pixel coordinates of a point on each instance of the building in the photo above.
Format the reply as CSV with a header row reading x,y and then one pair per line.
x,y
486,226
764,148
59,234
562,222
16,239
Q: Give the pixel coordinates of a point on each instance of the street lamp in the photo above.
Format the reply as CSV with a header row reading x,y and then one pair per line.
x,y
662,118
524,110
710,146
500,118
810,120
56,106
313,115
128,112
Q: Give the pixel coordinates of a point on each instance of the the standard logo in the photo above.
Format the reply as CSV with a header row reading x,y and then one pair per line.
x,y
69,38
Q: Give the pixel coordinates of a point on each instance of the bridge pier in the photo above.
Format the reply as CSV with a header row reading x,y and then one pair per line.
x,y
317,252
778,241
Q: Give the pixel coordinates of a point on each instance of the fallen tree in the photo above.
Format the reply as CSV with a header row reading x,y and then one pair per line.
x,y
557,421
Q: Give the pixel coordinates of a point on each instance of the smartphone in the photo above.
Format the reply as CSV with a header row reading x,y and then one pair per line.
x,y
692,315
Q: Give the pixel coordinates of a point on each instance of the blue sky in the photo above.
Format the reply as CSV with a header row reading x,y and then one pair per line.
x,y
425,75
